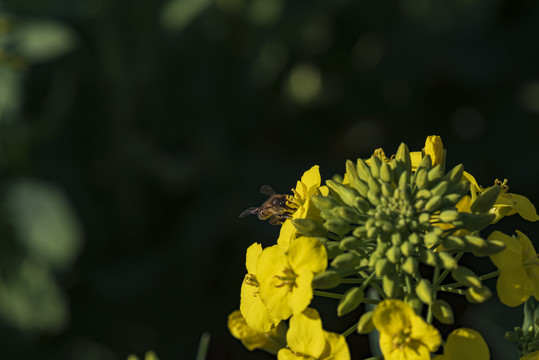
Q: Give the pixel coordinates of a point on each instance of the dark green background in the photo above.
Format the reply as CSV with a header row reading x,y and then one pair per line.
x,y
162,120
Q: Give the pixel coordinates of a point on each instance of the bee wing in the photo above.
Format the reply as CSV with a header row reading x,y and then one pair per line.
x,y
267,190
249,211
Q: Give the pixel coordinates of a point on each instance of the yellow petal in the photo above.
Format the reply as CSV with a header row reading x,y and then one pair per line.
x,y
470,178
286,354
307,253
311,178
254,311
524,207
305,335
338,348
287,234
276,298
511,255
415,157
271,341
302,293
466,344
435,148
424,333
251,258
513,286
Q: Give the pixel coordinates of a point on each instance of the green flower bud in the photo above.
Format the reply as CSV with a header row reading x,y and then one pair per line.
x,y
476,222
396,238
453,243
394,254
346,261
435,173
363,170
347,214
475,242
374,186
375,166
332,249
424,218
425,163
433,204
362,205
478,295
431,239
324,203
391,286
337,226
386,174
404,180
414,302
450,199
415,239
493,247
410,265
365,324
486,200
454,175
350,301
421,178
382,267
419,204
423,194
443,312
447,261
403,154
448,216
372,232
461,188
407,248
360,232
424,291
428,257
387,190
350,243
309,227
441,188
327,280
347,195
466,277
373,198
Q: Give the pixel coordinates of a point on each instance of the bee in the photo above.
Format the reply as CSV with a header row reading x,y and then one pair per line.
x,y
275,208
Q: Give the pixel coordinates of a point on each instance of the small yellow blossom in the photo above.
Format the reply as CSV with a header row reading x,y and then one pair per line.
x,y
251,306
506,204
531,356
271,341
465,344
307,340
285,277
519,269
403,334
308,186
433,147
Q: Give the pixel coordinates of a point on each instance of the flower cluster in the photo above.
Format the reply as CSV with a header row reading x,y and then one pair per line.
x,y
397,225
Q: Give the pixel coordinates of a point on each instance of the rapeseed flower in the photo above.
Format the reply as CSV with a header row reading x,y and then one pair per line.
x,y
519,269
531,356
403,334
308,186
271,341
433,147
285,277
465,344
307,340
251,306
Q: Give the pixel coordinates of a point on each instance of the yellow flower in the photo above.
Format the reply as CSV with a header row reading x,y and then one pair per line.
x,y
307,340
433,147
465,344
251,306
403,334
271,341
286,277
531,356
308,186
519,269
506,204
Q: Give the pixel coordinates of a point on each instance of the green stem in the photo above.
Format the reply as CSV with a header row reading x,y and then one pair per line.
x,y
350,330
451,290
375,285
352,281
435,277
203,346
489,275
327,294
370,301
368,280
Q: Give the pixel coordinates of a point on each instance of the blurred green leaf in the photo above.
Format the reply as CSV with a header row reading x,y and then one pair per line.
x,y
43,40
31,300
44,222
10,93
178,14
